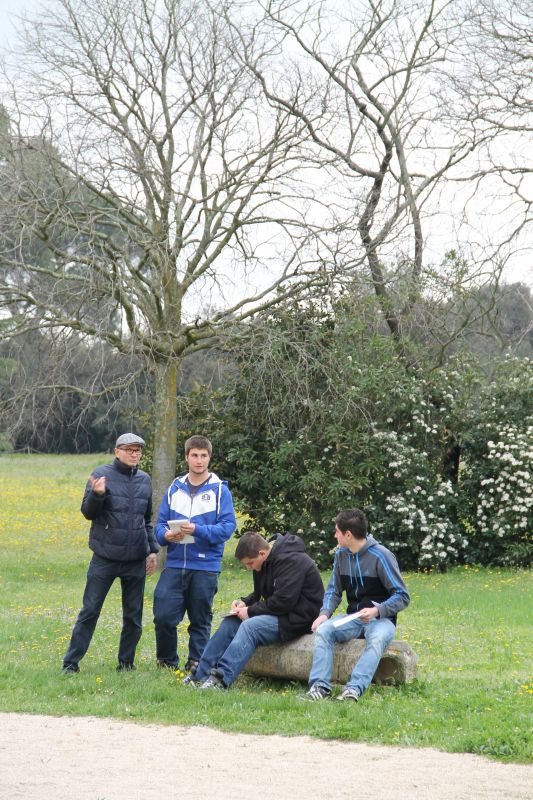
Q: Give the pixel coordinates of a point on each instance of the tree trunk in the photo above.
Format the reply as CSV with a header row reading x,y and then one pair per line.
x,y
165,432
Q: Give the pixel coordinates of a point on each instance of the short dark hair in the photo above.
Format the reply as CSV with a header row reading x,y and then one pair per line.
x,y
198,443
353,520
250,544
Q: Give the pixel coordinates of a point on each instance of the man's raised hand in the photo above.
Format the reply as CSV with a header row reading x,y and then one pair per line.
x,y
98,484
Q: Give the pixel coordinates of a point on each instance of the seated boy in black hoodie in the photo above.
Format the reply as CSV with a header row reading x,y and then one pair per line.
x,y
287,596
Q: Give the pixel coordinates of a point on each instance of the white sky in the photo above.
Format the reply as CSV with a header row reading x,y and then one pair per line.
x,y
522,266
8,10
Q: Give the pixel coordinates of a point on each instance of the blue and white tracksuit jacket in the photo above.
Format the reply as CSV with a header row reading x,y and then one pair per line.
x,y
370,578
211,510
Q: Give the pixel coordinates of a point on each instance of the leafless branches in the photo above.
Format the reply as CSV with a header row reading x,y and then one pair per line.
x,y
363,85
174,167
151,196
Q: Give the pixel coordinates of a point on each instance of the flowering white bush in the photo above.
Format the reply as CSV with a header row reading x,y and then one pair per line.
x,y
497,479
418,521
301,438
505,503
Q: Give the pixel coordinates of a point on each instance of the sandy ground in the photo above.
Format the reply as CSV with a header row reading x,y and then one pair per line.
x,y
49,758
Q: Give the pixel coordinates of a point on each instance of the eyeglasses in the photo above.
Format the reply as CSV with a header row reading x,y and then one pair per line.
x,y
136,451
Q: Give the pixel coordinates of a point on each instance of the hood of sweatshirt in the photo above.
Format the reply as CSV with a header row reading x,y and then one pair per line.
x,y
285,543
370,542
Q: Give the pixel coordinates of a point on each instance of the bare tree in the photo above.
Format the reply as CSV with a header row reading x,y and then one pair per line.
x,y
173,167
149,190
495,87
371,82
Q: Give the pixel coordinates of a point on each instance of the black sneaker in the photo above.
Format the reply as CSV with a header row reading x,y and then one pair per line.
x,y
189,680
212,682
317,692
124,666
70,669
167,665
191,666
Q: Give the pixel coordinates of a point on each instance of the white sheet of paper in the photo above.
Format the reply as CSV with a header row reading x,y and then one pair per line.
x,y
175,526
344,620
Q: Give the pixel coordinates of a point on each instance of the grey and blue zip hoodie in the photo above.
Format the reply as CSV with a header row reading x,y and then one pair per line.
x,y
370,578
211,510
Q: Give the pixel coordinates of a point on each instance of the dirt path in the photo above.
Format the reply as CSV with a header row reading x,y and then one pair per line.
x,y
49,758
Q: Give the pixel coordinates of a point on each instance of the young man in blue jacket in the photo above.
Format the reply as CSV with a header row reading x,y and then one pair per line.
x,y
375,591
118,502
202,503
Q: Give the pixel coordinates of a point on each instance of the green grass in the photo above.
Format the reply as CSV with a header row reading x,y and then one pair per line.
x,y
471,629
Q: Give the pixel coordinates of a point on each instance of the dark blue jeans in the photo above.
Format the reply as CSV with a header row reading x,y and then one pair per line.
x,y
232,646
100,576
179,591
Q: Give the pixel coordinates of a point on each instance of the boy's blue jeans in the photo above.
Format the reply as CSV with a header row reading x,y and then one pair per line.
x,y
181,591
378,634
234,643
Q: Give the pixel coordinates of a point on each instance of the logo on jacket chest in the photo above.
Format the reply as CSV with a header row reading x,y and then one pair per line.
x,y
202,503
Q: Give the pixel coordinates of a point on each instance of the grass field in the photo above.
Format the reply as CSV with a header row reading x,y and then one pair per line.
x,y
471,629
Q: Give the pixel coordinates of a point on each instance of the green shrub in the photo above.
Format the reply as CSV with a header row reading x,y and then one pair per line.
x,y
320,414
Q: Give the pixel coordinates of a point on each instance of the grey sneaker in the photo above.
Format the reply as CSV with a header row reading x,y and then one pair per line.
x,y
190,680
349,694
317,692
212,682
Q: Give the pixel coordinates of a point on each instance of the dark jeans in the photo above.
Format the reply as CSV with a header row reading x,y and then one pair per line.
x,y
179,591
100,576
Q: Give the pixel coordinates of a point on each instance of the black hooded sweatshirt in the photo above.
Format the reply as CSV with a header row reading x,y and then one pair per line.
x,y
287,586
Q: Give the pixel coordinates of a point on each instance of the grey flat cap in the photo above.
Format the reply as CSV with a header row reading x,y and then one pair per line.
x,y
129,438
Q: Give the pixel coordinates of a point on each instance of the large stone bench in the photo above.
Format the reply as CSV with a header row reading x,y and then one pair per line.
x,y
292,661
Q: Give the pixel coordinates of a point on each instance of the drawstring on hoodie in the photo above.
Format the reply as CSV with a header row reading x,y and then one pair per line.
x,y
352,564
351,571
218,498
359,568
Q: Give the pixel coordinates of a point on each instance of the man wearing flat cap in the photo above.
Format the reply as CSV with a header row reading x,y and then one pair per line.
x,y
118,502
